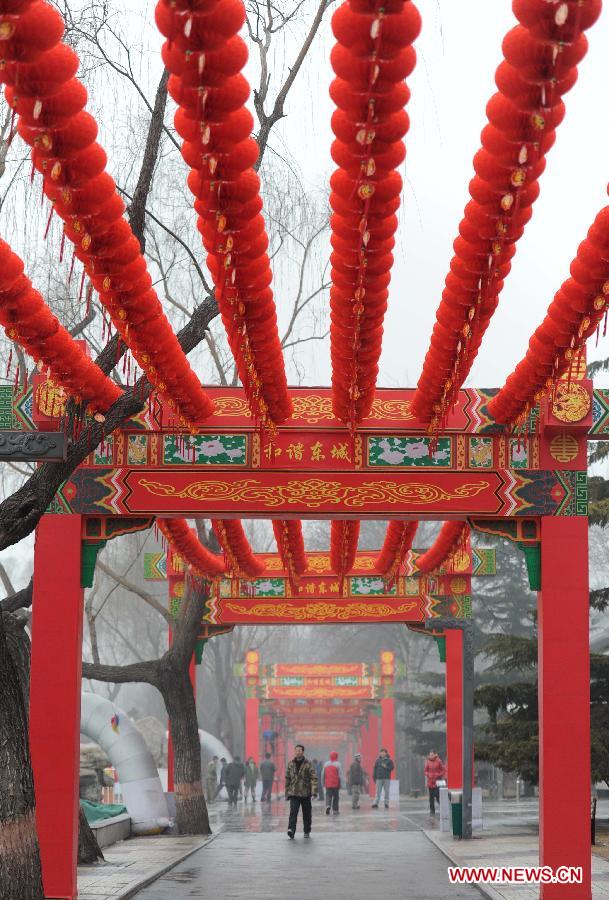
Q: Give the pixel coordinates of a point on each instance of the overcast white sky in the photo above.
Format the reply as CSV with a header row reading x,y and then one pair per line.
x,y
459,50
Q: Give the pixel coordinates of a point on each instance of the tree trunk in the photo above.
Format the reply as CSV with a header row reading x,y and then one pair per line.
x,y
88,848
191,809
20,872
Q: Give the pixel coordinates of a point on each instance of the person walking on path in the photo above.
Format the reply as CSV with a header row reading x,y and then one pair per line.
x,y
318,771
300,786
434,770
355,780
223,768
235,772
267,773
381,775
212,779
332,781
251,777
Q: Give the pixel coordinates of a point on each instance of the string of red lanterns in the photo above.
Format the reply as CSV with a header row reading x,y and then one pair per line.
x,y
188,545
28,321
557,344
344,536
237,551
398,542
39,73
452,537
290,544
205,55
372,57
541,55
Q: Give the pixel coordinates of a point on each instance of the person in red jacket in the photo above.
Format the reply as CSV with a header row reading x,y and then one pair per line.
x,y
333,781
434,771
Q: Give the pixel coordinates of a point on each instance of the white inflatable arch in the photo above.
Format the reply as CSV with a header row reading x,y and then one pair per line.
x,y
113,730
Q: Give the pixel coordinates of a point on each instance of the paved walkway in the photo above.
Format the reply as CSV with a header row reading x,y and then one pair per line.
x,y
510,838
130,864
356,856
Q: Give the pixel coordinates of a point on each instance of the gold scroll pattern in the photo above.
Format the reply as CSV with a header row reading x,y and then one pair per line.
x,y
313,408
314,492
318,563
320,611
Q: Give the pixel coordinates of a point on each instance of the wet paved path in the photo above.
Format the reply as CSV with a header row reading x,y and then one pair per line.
x,y
358,855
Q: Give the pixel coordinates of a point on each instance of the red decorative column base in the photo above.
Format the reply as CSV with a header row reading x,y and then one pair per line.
x,y
564,704
55,687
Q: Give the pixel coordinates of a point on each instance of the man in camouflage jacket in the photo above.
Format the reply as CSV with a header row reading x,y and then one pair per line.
x,y
300,786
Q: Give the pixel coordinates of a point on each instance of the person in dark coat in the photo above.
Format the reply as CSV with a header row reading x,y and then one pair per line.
x,y
355,780
234,776
224,767
383,767
267,773
300,786
251,777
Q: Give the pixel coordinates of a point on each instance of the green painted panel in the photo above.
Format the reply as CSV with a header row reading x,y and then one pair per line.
x,y
103,455
263,587
405,452
155,566
205,450
6,407
369,586
346,680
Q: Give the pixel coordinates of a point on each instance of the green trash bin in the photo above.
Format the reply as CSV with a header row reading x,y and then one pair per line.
x,y
456,809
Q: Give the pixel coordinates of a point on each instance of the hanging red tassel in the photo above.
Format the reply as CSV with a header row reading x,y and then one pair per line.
x,y
186,542
39,73
29,322
290,544
344,536
539,66
398,542
371,58
240,558
205,56
451,538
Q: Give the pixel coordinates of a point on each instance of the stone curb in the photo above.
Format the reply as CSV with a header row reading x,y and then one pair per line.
x,y
485,890
162,870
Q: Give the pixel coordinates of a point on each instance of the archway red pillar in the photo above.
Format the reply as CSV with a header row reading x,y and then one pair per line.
x,y
370,745
454,706
55,687
252,727
388,728
564,703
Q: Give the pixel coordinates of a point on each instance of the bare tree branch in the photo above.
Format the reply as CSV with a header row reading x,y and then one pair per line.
x,y
6,581
145,672
137,209
19,600
84,322
134,589
268,121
